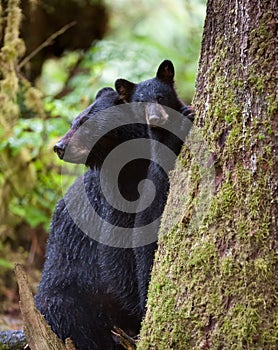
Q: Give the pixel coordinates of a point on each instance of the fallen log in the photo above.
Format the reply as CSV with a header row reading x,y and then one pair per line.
x,y
37,334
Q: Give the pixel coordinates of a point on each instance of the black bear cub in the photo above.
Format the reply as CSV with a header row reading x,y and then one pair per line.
x,y
169,129
88,287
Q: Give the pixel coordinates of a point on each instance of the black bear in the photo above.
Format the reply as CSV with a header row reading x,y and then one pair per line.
x,y
93,278
169,129
88,287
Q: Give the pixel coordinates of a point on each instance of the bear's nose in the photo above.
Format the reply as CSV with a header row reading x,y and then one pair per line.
x,y
156,115
59,148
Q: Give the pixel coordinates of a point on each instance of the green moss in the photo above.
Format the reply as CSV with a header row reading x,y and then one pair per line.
x,y
4,347
272,105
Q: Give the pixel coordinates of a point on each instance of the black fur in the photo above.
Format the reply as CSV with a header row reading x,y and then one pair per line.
x,y
156,93
88,287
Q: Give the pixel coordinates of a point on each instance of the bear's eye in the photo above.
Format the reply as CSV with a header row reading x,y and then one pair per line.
x,y
159,99
84,119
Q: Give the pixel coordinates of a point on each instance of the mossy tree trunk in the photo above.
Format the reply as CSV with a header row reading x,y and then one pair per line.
x,y
215,285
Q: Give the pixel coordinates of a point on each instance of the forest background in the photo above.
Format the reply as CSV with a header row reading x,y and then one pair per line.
x,y
55,56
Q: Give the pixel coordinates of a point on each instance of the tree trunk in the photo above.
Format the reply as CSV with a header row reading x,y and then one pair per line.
x,y
215,283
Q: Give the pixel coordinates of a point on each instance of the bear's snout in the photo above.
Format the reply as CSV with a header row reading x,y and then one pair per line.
x,y
60,148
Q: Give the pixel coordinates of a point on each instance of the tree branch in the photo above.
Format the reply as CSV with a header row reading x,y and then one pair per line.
x,y
47,42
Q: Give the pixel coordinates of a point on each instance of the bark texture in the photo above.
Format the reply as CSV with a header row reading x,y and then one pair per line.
x,y
215,283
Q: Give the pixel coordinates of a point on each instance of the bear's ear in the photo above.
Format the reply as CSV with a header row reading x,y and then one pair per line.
x,y
125,89
104,91
166,72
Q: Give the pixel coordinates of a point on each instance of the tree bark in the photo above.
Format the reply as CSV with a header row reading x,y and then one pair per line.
x,y
215,283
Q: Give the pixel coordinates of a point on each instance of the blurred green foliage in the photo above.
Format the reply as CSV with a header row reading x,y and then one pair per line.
x,y
141,35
